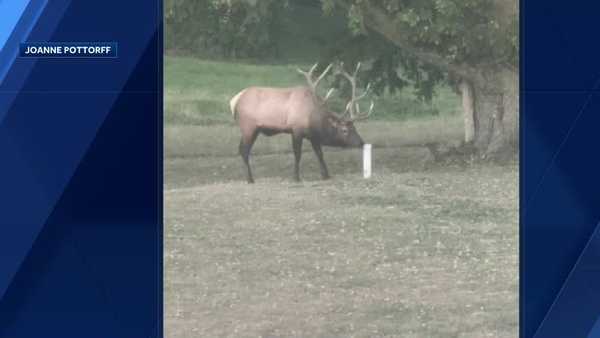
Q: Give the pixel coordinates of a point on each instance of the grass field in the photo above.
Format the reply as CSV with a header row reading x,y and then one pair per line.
x,y
198,92
418,250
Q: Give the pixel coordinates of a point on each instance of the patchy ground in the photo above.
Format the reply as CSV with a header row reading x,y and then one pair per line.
x,y
419,250
416,251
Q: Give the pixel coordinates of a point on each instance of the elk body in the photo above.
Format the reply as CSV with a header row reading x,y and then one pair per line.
x,y
298,111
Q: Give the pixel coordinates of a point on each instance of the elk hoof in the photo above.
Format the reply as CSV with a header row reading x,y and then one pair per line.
x,y
250,181
326,177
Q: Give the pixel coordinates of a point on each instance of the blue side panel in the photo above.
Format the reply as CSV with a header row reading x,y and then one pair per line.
x,y
560,115
595,332
15,26
11,13
96,258
81,178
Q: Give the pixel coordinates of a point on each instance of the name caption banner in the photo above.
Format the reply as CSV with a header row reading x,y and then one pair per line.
x,y
68,50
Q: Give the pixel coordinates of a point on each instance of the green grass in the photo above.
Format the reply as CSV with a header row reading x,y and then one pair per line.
x,y
197,92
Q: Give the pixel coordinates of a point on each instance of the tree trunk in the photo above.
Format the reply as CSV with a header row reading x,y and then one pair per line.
x,y
468,101
510,84
496,114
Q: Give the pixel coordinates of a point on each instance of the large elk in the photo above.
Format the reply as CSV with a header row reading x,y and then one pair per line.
x,y
298,111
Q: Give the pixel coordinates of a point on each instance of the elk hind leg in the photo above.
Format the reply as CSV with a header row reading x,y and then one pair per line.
x,y
319,152
297,145
245,146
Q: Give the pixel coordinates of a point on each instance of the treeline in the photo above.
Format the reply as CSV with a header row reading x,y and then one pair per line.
x,y
218,28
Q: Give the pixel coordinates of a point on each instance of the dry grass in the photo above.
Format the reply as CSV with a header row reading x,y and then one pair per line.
x,y
419,250
416,251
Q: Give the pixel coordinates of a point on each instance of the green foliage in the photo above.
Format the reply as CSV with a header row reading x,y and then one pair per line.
x,y
222,28
463,31
478,33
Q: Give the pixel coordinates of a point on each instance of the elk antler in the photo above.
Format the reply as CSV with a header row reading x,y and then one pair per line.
x,y
353,108
331,90
313,83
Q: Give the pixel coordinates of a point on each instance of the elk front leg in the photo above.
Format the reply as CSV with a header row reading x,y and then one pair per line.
x,y
245,146
297,145
316,145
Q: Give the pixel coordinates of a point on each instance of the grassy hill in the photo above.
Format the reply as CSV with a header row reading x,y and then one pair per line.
x,y
197,92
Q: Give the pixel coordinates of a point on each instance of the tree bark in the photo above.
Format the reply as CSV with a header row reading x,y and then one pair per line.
x,y
468,102
510,85
496,114
488,116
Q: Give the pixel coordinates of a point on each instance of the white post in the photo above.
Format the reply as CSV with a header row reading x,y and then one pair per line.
x,y
367,161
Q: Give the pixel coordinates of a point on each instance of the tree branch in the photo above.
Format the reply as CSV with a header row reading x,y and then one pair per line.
x,y
377,20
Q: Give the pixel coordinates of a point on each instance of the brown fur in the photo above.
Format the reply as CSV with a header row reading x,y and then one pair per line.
x,y
295,111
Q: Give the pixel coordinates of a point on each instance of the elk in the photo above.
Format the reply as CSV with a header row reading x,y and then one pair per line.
x,y
301,112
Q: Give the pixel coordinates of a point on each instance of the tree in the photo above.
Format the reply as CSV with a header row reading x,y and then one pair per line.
x,y
471,43
223,28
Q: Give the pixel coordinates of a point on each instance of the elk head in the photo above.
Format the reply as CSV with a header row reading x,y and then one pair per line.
x,y
343,124
338,129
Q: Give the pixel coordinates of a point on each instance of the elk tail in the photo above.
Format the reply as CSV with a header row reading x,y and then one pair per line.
x,y
233,103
